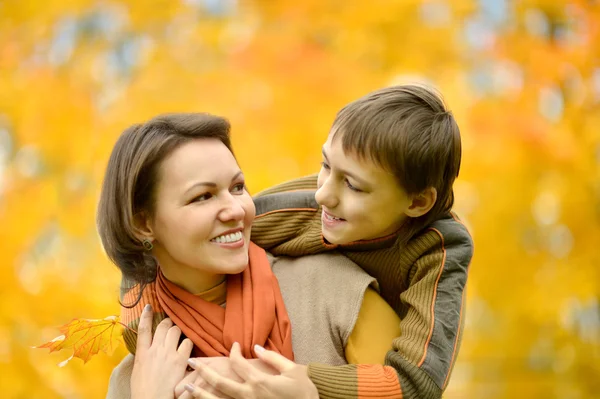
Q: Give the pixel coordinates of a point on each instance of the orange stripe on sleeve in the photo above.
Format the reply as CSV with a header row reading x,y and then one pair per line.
x,y
286,210
377,381
433,299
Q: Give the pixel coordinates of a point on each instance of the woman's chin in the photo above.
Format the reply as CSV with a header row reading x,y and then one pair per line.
x,y
235,266
237,270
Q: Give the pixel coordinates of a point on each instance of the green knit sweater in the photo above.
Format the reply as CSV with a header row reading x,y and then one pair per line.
x,y
424,281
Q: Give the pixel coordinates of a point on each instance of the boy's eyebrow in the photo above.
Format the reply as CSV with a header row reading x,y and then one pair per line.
x,y
345,172
211,184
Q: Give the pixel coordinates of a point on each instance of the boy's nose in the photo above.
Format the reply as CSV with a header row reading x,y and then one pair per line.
x,y
325,195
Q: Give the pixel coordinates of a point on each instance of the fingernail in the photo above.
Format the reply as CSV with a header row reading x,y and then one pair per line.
x,y
148,308
192,363
258,349
189,387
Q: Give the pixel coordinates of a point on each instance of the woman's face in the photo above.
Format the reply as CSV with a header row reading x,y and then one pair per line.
x,y
203,212
360,200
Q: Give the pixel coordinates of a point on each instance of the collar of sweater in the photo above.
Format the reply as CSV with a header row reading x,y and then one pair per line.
x,y
363,245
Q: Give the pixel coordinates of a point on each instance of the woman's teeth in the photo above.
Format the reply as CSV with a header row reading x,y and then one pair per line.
x,y
226,238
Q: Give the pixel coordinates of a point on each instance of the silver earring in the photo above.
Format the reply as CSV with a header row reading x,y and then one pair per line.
x,y
147,244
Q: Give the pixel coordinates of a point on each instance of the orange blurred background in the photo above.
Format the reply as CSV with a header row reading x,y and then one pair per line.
x,y
522,78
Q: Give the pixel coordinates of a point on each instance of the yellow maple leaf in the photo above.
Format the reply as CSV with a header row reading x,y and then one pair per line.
x,y
87,337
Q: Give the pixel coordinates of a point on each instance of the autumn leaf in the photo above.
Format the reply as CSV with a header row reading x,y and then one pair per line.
x,y
87,337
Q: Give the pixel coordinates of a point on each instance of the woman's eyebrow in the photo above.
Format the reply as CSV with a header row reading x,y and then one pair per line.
x,y
237,175
204,183
211,184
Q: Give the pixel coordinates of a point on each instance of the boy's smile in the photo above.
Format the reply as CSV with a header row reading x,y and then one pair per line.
x,y
329,220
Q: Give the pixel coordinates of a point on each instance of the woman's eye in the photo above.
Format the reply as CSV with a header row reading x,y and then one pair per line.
x,y
202,197
351,187
238,188
324,165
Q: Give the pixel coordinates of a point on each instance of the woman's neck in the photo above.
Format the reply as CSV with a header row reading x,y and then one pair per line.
x,y
193,281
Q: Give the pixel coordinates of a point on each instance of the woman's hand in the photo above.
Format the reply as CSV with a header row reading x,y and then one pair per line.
x,y
292,381
222,366
159,363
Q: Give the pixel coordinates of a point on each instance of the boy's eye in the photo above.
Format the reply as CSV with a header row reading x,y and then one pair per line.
x,y
324,165
351,187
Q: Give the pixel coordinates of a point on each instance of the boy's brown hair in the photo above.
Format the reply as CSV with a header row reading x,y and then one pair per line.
x,y
408,131
131,178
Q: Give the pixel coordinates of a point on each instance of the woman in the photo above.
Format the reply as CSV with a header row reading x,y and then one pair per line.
x,y
175,217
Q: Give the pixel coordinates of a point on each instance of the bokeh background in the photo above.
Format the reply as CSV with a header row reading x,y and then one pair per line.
x,y
522,78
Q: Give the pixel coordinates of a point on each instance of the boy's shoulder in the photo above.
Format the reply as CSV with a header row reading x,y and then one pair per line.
x,y
452,228
453,234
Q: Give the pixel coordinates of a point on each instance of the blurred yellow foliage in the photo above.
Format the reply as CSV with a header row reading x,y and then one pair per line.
x,y
523,79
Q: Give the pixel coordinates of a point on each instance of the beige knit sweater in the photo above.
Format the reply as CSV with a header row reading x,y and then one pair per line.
x,y
323,295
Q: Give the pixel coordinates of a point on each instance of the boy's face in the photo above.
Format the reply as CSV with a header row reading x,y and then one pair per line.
x,y
360,200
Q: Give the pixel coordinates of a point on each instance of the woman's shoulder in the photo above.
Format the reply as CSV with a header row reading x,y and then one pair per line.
x,y
119,386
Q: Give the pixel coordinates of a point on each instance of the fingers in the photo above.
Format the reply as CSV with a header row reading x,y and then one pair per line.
x,y
218,382
160,334
274,359
188,379
172,337
144,332
203,389
197,392
185,349
241,365
185,395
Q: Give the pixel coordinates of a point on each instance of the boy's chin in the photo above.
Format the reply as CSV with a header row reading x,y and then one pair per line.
x,y
336,239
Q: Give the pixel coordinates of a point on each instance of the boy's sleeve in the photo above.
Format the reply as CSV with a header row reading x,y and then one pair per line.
x,y
423,355
376,327
288,219
302,183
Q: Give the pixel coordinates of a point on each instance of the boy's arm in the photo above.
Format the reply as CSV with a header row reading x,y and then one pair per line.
x,y
302,183
376,326
288,219
423,355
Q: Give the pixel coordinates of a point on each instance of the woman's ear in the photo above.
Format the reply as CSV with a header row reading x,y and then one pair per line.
x,y
143,227
422,203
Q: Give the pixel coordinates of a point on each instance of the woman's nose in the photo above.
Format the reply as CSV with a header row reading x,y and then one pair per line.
x,y
232,209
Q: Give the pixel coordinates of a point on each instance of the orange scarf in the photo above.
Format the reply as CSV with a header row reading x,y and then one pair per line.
x,y
254,313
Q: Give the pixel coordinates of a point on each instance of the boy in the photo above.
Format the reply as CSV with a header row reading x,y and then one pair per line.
x,y
383,199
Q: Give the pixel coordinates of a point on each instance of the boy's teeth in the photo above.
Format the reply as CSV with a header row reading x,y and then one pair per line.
x,y
328,216
234,237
